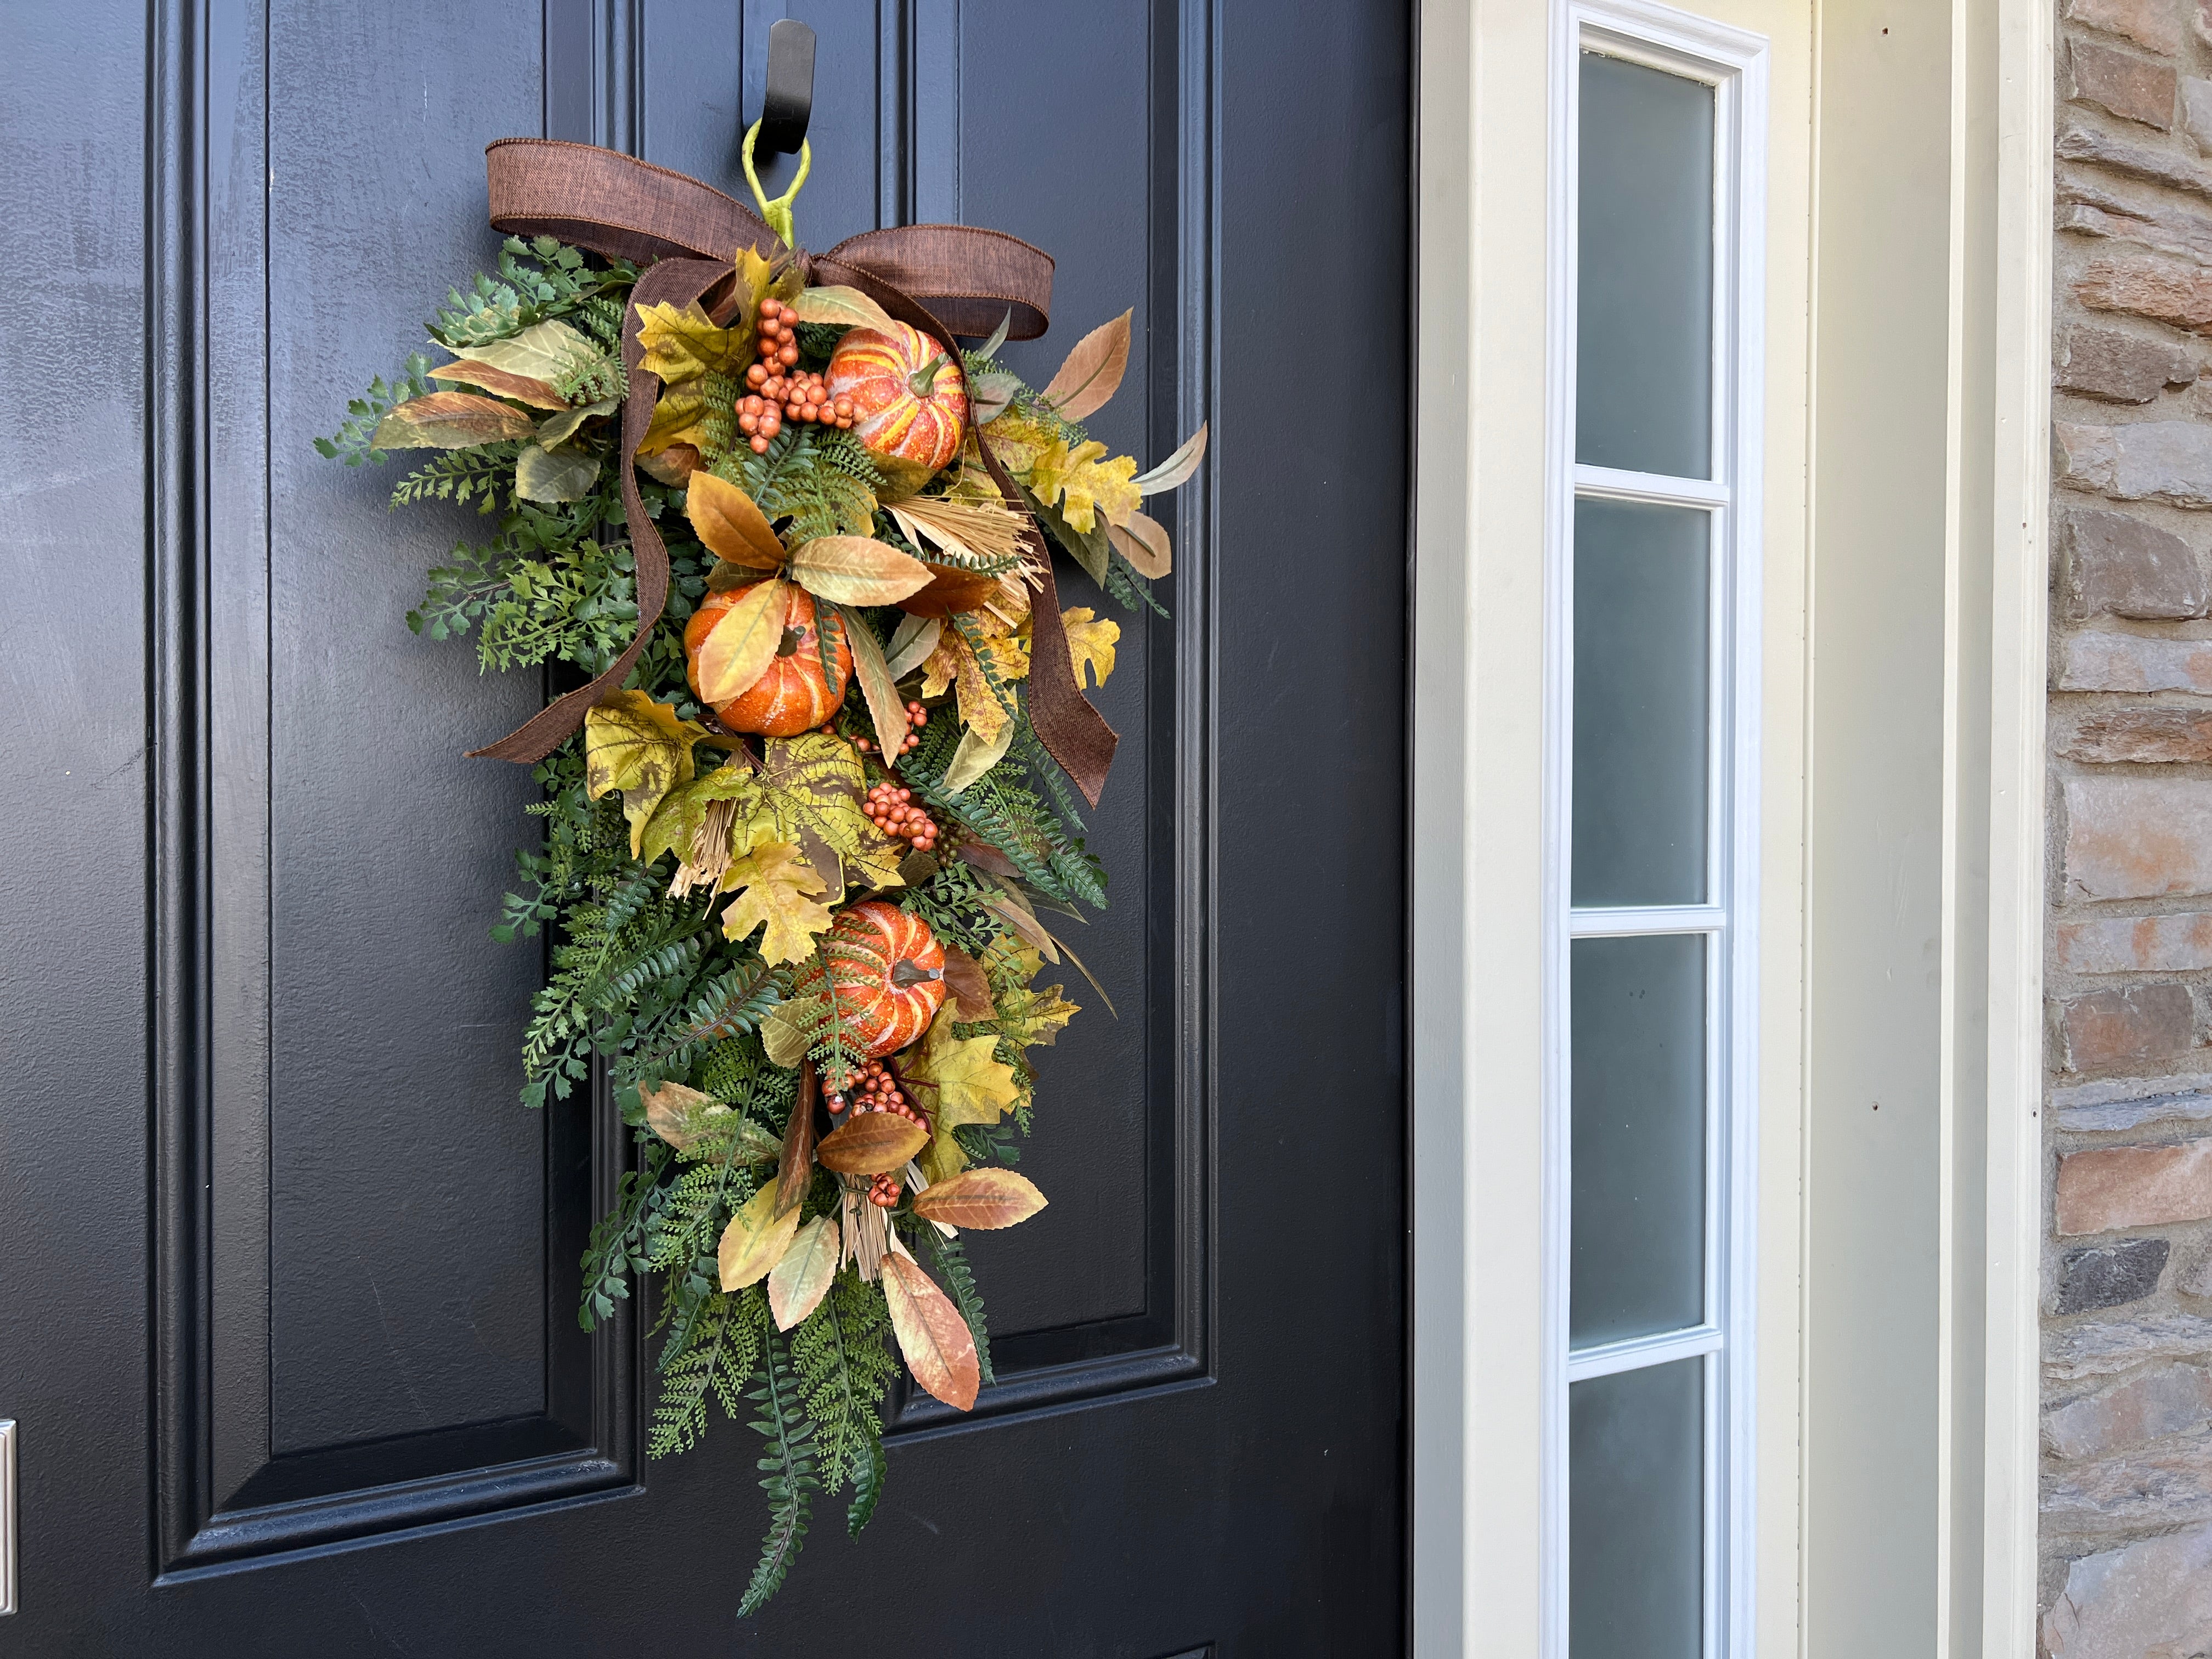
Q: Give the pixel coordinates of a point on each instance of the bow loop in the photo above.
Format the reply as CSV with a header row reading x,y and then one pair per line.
x,y
946,280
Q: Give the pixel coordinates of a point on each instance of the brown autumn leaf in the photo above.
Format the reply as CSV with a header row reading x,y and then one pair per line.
x,y
731,524
798,1139
796,1284
885,712
738,648
939,1348
451,419
1143,542
523,388
987,1199
1093,372
872,1143
970,987
674,465
755,1240
857,570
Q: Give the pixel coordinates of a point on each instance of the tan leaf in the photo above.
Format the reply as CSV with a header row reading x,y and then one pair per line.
x,y
775,888
987,1199
977,755
672,1111
636,745
885,712
545,351
911,642
1177,468
731,524
681,345
939,1348
969,1084
755,1240
843,308
520,387
451,419
1093,372
555,475
738,649
872,1143
1144,542
970,986
787,1028
673,465
857,570
1090,642
796,1284
554,428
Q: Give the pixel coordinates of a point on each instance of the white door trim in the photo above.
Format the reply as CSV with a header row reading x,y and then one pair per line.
x,y
1477,1349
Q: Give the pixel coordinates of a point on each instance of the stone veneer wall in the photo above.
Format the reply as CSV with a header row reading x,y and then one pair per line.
x,y
2127,1389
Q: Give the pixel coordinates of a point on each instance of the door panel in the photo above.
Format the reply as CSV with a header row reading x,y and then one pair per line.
x,y
374,1421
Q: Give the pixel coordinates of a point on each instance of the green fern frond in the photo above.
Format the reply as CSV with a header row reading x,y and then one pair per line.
x,y
788,1476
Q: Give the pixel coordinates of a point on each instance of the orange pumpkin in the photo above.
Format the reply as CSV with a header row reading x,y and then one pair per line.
x,y
909,401
888,972
794,694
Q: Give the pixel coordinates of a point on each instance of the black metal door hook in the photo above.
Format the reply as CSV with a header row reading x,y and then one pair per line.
x,y
789,100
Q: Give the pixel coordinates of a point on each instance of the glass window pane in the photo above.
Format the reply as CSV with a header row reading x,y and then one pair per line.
x,y
1643,355
1641,664
1638,1087
1636,1514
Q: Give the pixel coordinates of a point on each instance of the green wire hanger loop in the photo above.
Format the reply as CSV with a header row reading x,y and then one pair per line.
x,y
776,212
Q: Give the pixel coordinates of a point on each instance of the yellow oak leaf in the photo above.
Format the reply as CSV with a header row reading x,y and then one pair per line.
x,y
1090,641
681,345
964,1083
638,746
942,666
980,707
775,886
1082,486
1016,441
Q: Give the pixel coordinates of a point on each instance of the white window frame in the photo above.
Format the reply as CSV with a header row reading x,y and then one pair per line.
x,y
1734,63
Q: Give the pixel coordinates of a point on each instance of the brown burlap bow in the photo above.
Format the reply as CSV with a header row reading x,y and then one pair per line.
x,y
942,279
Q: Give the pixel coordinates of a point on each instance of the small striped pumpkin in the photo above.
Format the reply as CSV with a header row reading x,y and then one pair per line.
x,y
909,401
794,694
889,971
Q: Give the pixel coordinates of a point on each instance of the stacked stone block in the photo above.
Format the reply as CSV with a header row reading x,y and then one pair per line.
x,y
2127,1390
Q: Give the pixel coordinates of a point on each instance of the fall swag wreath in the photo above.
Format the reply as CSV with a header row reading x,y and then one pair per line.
x,y
802,826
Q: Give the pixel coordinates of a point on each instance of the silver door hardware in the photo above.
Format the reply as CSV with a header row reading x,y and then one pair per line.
x,y
7,1515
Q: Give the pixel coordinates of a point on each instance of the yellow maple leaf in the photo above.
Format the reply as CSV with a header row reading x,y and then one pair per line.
x,y
1031,1017
680,417
944,1157
1016,439
774,886
1082,486
964,1083
638,746
681,345
1090,641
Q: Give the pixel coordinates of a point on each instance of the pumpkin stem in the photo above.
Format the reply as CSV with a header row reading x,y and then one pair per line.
x,y
923,379
778,212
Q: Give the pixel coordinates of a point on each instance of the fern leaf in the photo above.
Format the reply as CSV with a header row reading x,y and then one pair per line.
x,y
787,1477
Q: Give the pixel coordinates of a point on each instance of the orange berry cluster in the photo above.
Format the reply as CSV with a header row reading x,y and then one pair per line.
x,y
781,391
879,1092
887,806
916,718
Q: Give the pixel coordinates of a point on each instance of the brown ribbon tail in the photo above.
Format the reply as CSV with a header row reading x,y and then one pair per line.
x,y
614,204
678,282
1073,733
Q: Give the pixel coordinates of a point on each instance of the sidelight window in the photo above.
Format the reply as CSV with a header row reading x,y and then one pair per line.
x,y
1651,725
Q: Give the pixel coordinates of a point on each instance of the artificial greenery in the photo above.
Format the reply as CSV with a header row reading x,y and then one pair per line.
x,y
687,880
